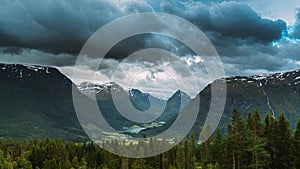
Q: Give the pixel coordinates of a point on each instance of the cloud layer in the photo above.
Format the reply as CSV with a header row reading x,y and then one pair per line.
x,y
64,26
230,19
52,32
296,30
57,26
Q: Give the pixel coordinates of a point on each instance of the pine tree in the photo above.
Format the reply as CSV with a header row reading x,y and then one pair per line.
x,y
186,153
82,164
284,143
23,163
297,145
50,164
192,150
270,134
218,149
140,164
256,143
236,142
206,153
279,138
1,157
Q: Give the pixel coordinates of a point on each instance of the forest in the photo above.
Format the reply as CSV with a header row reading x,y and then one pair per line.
x,y
252,143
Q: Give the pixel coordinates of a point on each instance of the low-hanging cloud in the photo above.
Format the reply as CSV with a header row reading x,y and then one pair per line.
x,y
13,55
63,26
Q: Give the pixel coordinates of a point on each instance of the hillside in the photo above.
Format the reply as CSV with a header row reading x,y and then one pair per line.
x,y
158,109
36,102
275,94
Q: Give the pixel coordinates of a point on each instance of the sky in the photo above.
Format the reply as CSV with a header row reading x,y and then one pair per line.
x,y
250,36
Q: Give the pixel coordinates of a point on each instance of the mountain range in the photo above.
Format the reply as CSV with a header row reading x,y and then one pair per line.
x,y
268,93
36,102
164,110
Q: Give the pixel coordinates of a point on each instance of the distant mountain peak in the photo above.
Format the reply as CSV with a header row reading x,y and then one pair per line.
x,y
133,92
90,88
181,93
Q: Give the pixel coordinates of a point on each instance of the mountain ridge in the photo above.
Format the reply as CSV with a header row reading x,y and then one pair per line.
x,y
37,102
273,93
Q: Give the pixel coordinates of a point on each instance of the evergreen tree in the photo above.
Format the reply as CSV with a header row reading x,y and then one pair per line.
x,y
192,150
259,157
140,164
249,144
297,145
236,142
285,143
206,153
218,149
278,134
23,163
50,164
270,134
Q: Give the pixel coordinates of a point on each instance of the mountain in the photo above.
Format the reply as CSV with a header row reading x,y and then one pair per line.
x,y
143,101
139,99
174,105
274,93
36,102
103,90
152,107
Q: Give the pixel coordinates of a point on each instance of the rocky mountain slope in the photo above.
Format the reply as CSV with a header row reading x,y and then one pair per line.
x,y
275,94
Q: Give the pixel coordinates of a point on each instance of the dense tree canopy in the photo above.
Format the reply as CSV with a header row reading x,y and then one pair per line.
x,y
249,143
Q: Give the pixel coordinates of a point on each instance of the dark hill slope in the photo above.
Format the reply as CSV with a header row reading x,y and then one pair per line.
x,y
36,102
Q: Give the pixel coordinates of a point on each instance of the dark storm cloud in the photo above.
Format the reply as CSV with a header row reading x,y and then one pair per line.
x,y
242,37
227,24
57,26
235,47
247,57
144,41
41,32
230,19
63,26
296,32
